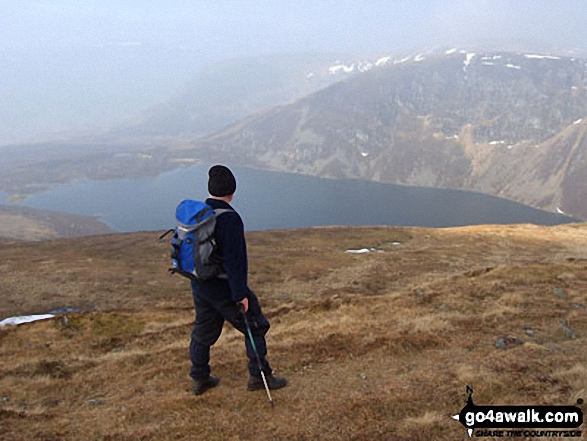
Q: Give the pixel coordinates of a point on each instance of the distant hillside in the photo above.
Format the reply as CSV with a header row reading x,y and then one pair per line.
x,y
225,92
219,95
507,124
376,345
24,223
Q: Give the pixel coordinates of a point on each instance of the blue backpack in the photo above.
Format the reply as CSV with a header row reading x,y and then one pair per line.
x,y
194,253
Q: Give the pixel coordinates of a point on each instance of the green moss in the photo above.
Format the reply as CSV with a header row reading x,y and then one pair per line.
x,y
102,326
115,325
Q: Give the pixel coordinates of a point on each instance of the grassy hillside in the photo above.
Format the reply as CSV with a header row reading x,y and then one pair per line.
x,y
25,223
376,346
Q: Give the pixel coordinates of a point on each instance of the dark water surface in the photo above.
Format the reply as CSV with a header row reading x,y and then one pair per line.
x,y
268,200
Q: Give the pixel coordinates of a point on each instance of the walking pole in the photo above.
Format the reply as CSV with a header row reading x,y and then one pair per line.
x,y
242,309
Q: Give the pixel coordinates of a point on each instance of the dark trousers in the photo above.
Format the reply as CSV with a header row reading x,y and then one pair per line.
x,y
213,307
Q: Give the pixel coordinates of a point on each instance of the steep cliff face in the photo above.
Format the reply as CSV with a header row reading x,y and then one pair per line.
x,y
512,125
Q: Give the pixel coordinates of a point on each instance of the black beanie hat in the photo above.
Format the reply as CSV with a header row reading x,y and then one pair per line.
x,y
221,181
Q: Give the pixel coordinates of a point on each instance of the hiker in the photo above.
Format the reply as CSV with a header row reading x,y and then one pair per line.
x,y
223,297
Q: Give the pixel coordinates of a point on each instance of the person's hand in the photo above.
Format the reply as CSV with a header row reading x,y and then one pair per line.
x,y
245,303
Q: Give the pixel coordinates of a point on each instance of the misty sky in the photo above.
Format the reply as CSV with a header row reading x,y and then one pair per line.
x,y
85,65
244,27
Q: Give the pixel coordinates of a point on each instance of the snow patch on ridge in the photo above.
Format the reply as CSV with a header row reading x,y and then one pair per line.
x,y
365,66
403,60
541,57
341,67
383,60
468,59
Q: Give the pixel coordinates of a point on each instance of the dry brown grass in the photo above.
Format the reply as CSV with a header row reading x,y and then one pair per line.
x,y
22,228
376,346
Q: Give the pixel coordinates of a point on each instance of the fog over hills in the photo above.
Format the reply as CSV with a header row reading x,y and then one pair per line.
x,y
226,91
509,124
80,68
59,93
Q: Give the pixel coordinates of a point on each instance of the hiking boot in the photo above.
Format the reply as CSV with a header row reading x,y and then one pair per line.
x,y
273,382
201,386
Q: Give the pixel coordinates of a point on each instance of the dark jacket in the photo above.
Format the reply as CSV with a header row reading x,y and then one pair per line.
x,y
230,238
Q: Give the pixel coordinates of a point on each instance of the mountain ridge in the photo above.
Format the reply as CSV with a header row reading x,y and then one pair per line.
x,y
448,121
466,119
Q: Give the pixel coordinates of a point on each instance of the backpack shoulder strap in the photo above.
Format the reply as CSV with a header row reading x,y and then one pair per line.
x,y
219,211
